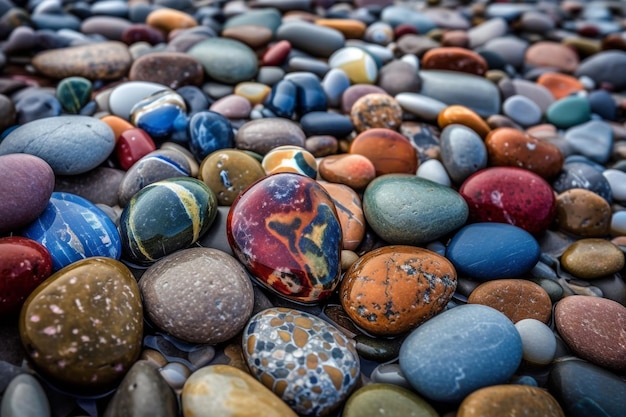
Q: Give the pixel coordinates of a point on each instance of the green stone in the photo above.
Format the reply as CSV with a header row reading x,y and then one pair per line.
x,y
73,93
387,400
225,60
569,111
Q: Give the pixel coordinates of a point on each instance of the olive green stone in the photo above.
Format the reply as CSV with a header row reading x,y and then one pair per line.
x,y
386,400
73,93
82,327
592,258
569,111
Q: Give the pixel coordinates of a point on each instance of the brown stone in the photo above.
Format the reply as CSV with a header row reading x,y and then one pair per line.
x,y
389,151
349,212
255,36
594,328
173,69
517,299
455,59
457,114
512,147
168,19
376,111
552,55
510,400
592,258
351,28
560,85
353,170
583,213
458,38
355,92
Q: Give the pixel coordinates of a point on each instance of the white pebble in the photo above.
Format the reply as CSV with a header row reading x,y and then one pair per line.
x,y
434,170
617,181
618,223
538,341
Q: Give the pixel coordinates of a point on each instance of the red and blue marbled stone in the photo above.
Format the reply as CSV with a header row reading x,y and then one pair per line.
x,y
284,229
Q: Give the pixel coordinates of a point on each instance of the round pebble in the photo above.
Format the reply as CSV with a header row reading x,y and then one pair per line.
x,y
502,399
538,341
592,258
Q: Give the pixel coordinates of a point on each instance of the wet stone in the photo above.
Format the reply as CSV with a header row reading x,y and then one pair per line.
x,y
463,152
583,213
123,97
162,114
73,93
358,65
290,158
353,170
568,112
498,399
552,55
538,341
132,144
560,85
454,59
209,131
349,212
232,107
585,176
592,258
522,110
604,67
225,60
376,111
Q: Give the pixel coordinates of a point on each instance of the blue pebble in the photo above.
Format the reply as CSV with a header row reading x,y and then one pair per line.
x,y
397,15
593,139
335,82
459,351
583,175
209,131
603,104
195,99
73,228
326,123
282,99
486,251
35,106
160,114
309,94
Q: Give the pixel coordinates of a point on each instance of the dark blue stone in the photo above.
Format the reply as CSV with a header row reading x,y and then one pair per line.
x,y
55,21
282,99
73,228
583,175
310,94
209,131
325,123
36,106
161,114
603,104
195,99
486,251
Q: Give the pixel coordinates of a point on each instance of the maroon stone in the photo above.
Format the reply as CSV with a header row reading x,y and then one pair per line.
x,y
132,145
276,54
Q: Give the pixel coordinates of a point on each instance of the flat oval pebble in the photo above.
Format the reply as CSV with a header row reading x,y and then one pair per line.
x,y
420,105
387,399
511,253
72,228
164,217
583,175
594,328
456,114
24,396
313,39
510,195
592,258
199,295
463,152
499,400
353,170
583,213
394,289
83,326
538,341
292,246
123,97
304,360
358,65
173,69
227,391
444,358
61,141
161,114
349,212
518,299
168,19
593,139
225,60
552,55
389,151
568,112
26,184
263,135
454,59
290,159
409,210
522,110
604,67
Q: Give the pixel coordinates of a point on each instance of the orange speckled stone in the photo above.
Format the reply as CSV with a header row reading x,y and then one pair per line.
x,y
583,213
376,110
168,19
560,85
351,29
349,211
510,400
552,55
117,124
518,299
393,289
592,258
453,58
464,116
389,151
353,170
511,147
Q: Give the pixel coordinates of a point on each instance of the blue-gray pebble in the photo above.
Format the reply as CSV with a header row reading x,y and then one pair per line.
x,y
593,139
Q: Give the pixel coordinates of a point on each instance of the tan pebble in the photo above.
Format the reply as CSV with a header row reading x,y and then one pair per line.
x,y
168,19
351,29
592,258
348,258
464,116
510,400
255,36
583,213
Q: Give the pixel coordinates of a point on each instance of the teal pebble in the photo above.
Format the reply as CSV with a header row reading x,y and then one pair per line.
x,y
569,111
74,93
225,60
24,397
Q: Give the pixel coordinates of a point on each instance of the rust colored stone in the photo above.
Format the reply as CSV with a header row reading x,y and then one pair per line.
x,y
389,151
353,170
592,258
510,400
453,58
168,19
349,212
376,111
351,29
173,69
464,116
560,85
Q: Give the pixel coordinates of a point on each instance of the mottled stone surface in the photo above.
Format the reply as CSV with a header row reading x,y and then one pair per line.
x,y
592,258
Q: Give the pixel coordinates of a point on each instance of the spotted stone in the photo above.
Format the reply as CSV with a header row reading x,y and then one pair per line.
x,y
376,110
583,213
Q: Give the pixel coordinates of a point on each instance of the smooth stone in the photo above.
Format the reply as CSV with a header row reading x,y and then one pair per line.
x,y
378,349
536,92
172,69
290,158
604,67
26,183
168,19
349,212
319,123
276,54
351,28
282,99
124,96
593,139
454,88
82,328
412,284
154,166
593,328
517,246
162,115
434,170
480,34
8,116
310,95
508,49
584,389
618,223
443,358
500,400
552,55
538,341
293,245
522,110
424,107
140,32
463,152
72,228
334,83
35,106
263,135
617,182
199,295
255,36
603,104
512,147
376,111
322,145
390,373
209,131
109,60
389,151
399,15
132,145
399,77
175,375
110,27
353,170
592,258
568,112
254,92
386,399
269,17
25,396
313,39
354,92
452,58
518,299
74,93
232,107
164,217
225,60
312,65
559,84
358,65
143,391
320,382
582,175
227,391
99,185
55,21
583,213
400,208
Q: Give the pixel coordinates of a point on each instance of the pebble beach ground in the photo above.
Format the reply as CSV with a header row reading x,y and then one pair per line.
x,y
312,207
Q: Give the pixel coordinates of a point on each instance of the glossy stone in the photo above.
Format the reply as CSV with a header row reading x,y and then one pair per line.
x,y
215,310
123,97
72,228
35,106
500,400
310,96
356,63
584,175
290,158
592,258
510,195
376,111
454,59
522,110
82,327
583,213
387,399
164,217
26,184
399,77
409,210
444,359
389,151
161,114
225,60
293,245
463,152
282,100
326,123
275,339
604,67
420,105
497,241
132,145
263,135
349,212
569,111
168,19
232,107
353,170
24,396
394,289
560,85
538,341
462,115
173,69
209,132
74,93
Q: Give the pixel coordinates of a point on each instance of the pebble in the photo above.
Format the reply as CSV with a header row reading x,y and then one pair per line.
x,y
263,135
225,60
538,341
462,115
209,131
349,212
593,328
497,400
168,19
74,93
593,139
233,106
313,39
435,171
376,111
522,110
358,65
592,258
399,77
580,174
568,112
387,399
583,213
463,152
420,105
603,67
560,85
449,349
25,396
411,219
354,170
290,159
162,114
389,151
172,69
131,145
452,58
123,97
99,186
